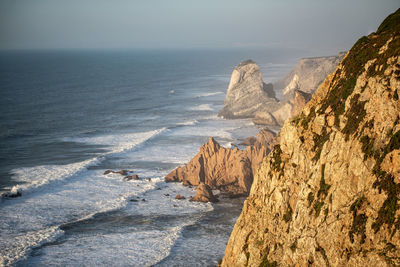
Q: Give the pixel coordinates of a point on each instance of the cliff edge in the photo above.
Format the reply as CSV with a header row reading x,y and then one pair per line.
x,y
328,194
308,74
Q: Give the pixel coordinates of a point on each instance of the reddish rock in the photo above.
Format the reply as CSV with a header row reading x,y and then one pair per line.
x,y
122,172
299,101
179,197
229,170
265,137
131,177
204,194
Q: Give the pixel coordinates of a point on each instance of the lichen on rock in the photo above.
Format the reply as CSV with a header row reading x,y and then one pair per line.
x,y
328,194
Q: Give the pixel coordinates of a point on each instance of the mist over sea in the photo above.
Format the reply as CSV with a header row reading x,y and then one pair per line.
x,y
67,116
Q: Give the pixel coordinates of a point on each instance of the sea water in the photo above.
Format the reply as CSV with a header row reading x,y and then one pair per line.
x,y
67,116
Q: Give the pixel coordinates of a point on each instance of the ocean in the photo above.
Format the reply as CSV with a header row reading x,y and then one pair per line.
x,y
67,116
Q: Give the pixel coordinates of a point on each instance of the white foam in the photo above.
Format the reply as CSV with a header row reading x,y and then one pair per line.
x,y
202,107
42,213
24,243
139,248
187,123
118,142
36,177
209,94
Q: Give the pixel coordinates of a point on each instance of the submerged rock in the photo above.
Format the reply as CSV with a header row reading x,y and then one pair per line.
x,y
131,177
12,194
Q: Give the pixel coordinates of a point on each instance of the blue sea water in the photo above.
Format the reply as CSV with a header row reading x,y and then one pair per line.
x,y
67,116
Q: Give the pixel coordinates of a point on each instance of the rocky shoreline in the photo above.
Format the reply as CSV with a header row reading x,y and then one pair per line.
x,y
231,170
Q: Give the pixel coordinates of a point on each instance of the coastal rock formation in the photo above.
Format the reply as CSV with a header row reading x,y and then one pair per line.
x,y
179,197
229,170
249,141
247,93
264,118
288,108
204,194
266,137
328,194
308,75
131,177
300,99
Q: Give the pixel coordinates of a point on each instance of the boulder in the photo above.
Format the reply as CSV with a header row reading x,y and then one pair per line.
x,y
178,196
131,177
247,93
12,194
204,194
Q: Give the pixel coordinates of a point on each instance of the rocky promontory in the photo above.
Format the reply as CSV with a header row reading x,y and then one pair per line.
x,y
247,93
248,96
225,169
307,75
328,193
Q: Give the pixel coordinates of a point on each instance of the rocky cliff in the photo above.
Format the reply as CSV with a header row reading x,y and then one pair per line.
x,y
247,93
328,194
308,74
225,169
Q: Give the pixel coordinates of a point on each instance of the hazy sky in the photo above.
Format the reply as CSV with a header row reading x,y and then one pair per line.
x,y
327,25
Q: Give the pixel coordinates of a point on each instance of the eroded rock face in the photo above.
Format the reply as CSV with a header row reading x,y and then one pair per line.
x,y
204,194
328,194
308,74
287,109
264,118
229,170
247,93
300,99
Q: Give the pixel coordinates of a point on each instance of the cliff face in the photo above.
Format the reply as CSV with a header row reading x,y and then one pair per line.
x,y
308,74
247,93
328,194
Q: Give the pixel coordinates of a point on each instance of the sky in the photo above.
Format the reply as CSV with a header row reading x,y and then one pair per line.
x,y
324,25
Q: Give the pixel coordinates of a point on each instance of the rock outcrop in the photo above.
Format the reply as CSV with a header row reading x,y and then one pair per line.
x,y
307,75
288,108
328,194
229,170
204,194
247,94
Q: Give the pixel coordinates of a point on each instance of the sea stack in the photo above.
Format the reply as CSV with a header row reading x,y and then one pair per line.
x,y
247,93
